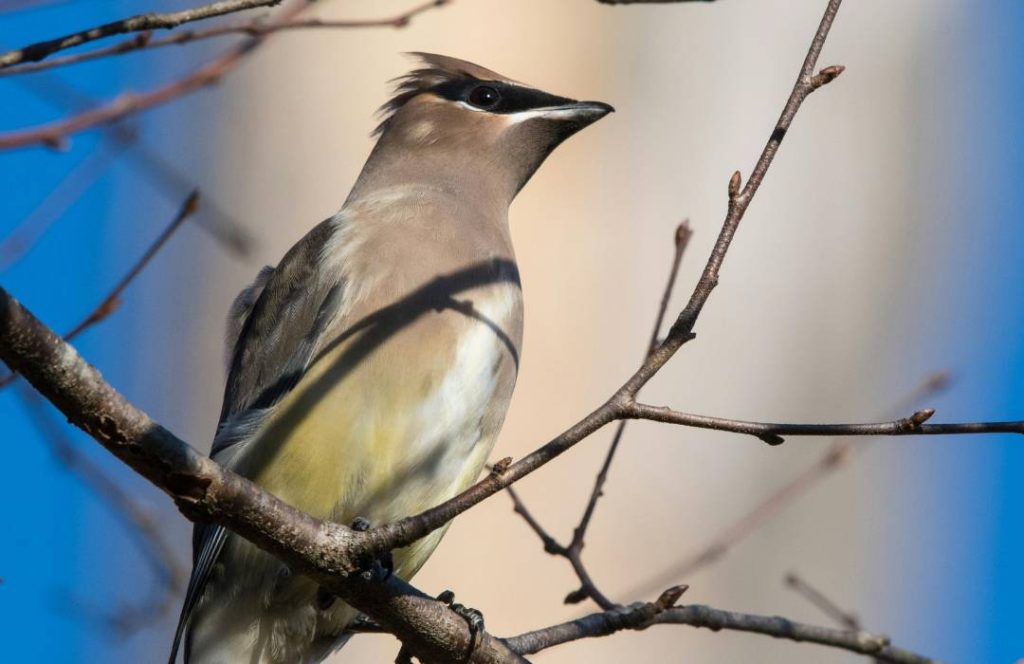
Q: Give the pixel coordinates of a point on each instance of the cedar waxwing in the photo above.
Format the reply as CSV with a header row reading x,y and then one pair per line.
x,y
370,371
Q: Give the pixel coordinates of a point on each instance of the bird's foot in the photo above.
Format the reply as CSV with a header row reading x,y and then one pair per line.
x,y
474,618
379,568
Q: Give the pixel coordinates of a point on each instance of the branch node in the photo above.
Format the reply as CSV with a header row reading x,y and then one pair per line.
x,y
771,438
920,417
56,142
734,185
668,599
501,466
826,76
683,234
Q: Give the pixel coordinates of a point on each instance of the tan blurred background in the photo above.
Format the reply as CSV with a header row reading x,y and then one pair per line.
x,y
801,328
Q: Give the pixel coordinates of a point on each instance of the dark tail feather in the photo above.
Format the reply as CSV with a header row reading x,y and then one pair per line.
x,y
211,542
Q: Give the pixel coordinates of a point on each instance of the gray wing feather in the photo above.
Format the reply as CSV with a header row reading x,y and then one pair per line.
x,y
240,310
274,329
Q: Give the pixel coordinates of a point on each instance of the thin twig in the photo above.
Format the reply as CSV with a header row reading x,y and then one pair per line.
x,y
138,522
79,179
145,40
573,552
773,432
55,134
410,529
801,587
642,615
112,301
832,459
329,553
682,237
227,231
205,491
138,23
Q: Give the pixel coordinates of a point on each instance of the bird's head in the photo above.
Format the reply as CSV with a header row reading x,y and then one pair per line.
x,y
455,112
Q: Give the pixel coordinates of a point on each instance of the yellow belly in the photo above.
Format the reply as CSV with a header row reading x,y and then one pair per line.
x,y
382,426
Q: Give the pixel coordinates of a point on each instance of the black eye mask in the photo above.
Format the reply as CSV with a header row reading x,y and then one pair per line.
x,y
498,96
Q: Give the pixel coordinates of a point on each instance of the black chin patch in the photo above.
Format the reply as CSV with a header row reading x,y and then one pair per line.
x,y
512,98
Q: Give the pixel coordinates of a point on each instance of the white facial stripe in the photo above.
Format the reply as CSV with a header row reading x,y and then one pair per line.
x,y
552,112
469,107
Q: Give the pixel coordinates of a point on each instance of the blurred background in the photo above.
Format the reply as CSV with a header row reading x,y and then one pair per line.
x,y
884,247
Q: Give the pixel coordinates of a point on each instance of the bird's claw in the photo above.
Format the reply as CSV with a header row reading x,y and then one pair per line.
x,y
378,568
474,618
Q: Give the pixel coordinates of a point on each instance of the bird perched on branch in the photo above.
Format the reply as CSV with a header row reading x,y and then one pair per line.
x,y
370,371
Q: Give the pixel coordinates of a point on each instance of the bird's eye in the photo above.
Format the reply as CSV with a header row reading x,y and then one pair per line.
x,y
484,96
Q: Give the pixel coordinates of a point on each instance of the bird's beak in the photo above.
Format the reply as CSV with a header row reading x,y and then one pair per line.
x,y
595,109
579,112
572,116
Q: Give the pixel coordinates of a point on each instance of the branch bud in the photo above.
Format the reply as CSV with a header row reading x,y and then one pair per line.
x,y
734,185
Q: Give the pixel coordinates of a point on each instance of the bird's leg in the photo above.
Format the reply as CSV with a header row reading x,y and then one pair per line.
x,y
473,617
378,568
382,566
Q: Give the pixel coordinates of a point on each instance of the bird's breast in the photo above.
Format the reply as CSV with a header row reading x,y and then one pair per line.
x,y
400,414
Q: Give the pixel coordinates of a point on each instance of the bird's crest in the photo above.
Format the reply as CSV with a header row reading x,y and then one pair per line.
x,y
437,70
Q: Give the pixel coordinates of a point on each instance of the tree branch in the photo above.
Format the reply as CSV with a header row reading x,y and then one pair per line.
x,y
831,460
55,134
333,555
573,552
329,553
112,301
138,23
75,182
772,433
801,587
410,529
227,231
255,27
642,615
139,522
321,550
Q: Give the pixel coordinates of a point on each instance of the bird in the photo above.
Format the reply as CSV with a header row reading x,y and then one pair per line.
x,y
370,371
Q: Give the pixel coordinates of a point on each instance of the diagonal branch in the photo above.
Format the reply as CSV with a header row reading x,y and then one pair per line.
x,y
55,134
227,231
259,26
138,23
412,528
112,301
331,554
831,460
326,552
819,599
573,552
75,182
139,522
682,240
